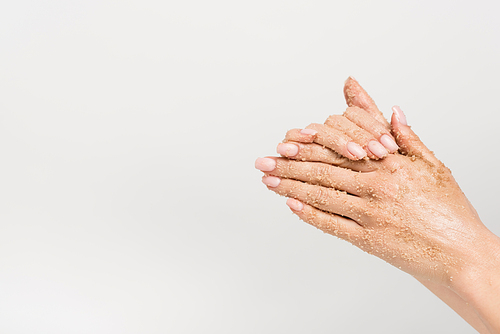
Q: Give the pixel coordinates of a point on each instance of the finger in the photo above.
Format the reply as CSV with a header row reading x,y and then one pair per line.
x,y
329,223
301,135
356,96
359,135
337,141
367,122
326,199
321,174
317,153
409,143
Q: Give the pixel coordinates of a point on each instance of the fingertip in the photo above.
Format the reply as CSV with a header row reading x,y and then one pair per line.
x,y
398,114
394,122
308,132
287,149
295,205
407,140
349,80
355,150
397,127
377,149
349,95
297,136
389,143
271,181
265,164
305,136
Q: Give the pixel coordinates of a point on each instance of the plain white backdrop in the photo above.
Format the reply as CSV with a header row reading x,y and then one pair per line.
x,y
128,132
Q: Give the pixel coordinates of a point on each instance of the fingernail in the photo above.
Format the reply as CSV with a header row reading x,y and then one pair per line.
x,y
288,150
377,149
271,181
389,143
294,204
308,132
400,116
356,150
265,164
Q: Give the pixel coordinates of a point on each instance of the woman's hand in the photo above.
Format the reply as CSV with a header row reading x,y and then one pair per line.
x,y
406,209
361,131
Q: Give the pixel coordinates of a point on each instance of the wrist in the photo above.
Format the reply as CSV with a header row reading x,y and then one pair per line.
x,y
477,280
479,263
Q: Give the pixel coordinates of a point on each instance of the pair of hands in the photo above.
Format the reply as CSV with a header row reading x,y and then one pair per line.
x,y
405,208
386,206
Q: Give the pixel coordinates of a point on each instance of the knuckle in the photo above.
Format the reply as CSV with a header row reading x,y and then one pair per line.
x,y
328,226
322,171
320,196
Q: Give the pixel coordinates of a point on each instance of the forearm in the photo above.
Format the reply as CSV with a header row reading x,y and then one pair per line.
x,y
459,305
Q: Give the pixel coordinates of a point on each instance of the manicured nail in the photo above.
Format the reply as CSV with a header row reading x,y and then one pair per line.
x,y
271,181
389,143
356,150
294,204
308,132
265,164
377,149
400,116
288,150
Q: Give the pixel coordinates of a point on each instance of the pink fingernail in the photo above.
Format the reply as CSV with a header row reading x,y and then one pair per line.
x,y
389,143
400,116
271,181
288,150
294,204
308,132
356,150
377,149
265,164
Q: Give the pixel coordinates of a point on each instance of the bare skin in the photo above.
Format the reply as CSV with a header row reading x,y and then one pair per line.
x,y
406,209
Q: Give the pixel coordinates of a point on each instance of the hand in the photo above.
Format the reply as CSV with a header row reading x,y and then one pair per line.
x,y
406,209
388,207
361,131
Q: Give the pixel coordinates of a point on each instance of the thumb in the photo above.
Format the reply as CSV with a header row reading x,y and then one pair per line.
x,y
409,143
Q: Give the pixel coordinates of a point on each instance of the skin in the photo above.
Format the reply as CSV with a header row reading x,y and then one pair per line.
x,y
406,209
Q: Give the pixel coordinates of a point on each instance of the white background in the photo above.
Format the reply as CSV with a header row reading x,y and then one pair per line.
x,y
128,132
